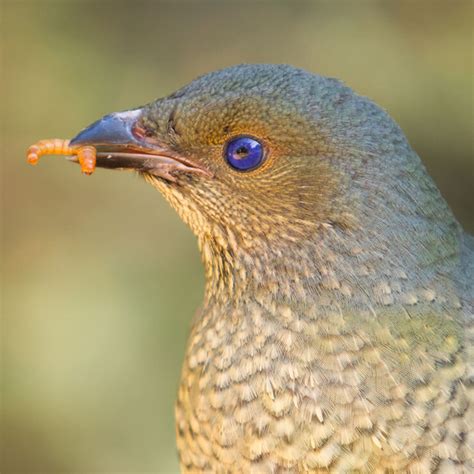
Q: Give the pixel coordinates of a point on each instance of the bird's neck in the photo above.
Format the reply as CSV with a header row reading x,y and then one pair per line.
x,y
344,265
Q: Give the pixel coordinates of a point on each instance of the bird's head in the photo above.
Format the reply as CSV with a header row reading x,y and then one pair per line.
x,y
262,159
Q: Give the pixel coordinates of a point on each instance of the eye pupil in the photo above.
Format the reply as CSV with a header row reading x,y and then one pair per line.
x,y
244,153
241,151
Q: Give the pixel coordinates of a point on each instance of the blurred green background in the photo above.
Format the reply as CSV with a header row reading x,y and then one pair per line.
x,y
100,277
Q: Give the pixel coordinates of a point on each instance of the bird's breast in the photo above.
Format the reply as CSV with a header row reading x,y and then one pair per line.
x,y
267,387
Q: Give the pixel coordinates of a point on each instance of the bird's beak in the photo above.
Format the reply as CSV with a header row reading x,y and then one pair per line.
x,y
121,144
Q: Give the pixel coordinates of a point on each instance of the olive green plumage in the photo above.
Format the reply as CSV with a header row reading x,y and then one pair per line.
x,y
336,329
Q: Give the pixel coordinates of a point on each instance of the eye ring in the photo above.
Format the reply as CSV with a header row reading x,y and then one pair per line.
x,y
244,152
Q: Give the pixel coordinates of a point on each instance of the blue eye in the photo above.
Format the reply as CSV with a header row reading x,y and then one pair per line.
x,y
244,153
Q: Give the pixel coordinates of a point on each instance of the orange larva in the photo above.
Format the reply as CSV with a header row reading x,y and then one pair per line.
x,y
86,155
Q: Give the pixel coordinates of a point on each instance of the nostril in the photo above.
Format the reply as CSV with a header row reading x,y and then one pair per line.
x,y
138,131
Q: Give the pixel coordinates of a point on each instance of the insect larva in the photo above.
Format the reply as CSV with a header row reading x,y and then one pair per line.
x,y
86,155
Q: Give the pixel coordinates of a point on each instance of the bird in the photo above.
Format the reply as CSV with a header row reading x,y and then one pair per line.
x,y
336,328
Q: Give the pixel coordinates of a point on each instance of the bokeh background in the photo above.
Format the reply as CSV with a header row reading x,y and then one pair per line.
x,y
100,277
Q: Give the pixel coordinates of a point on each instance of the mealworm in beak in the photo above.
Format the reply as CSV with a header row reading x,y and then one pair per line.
x,y
86,155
